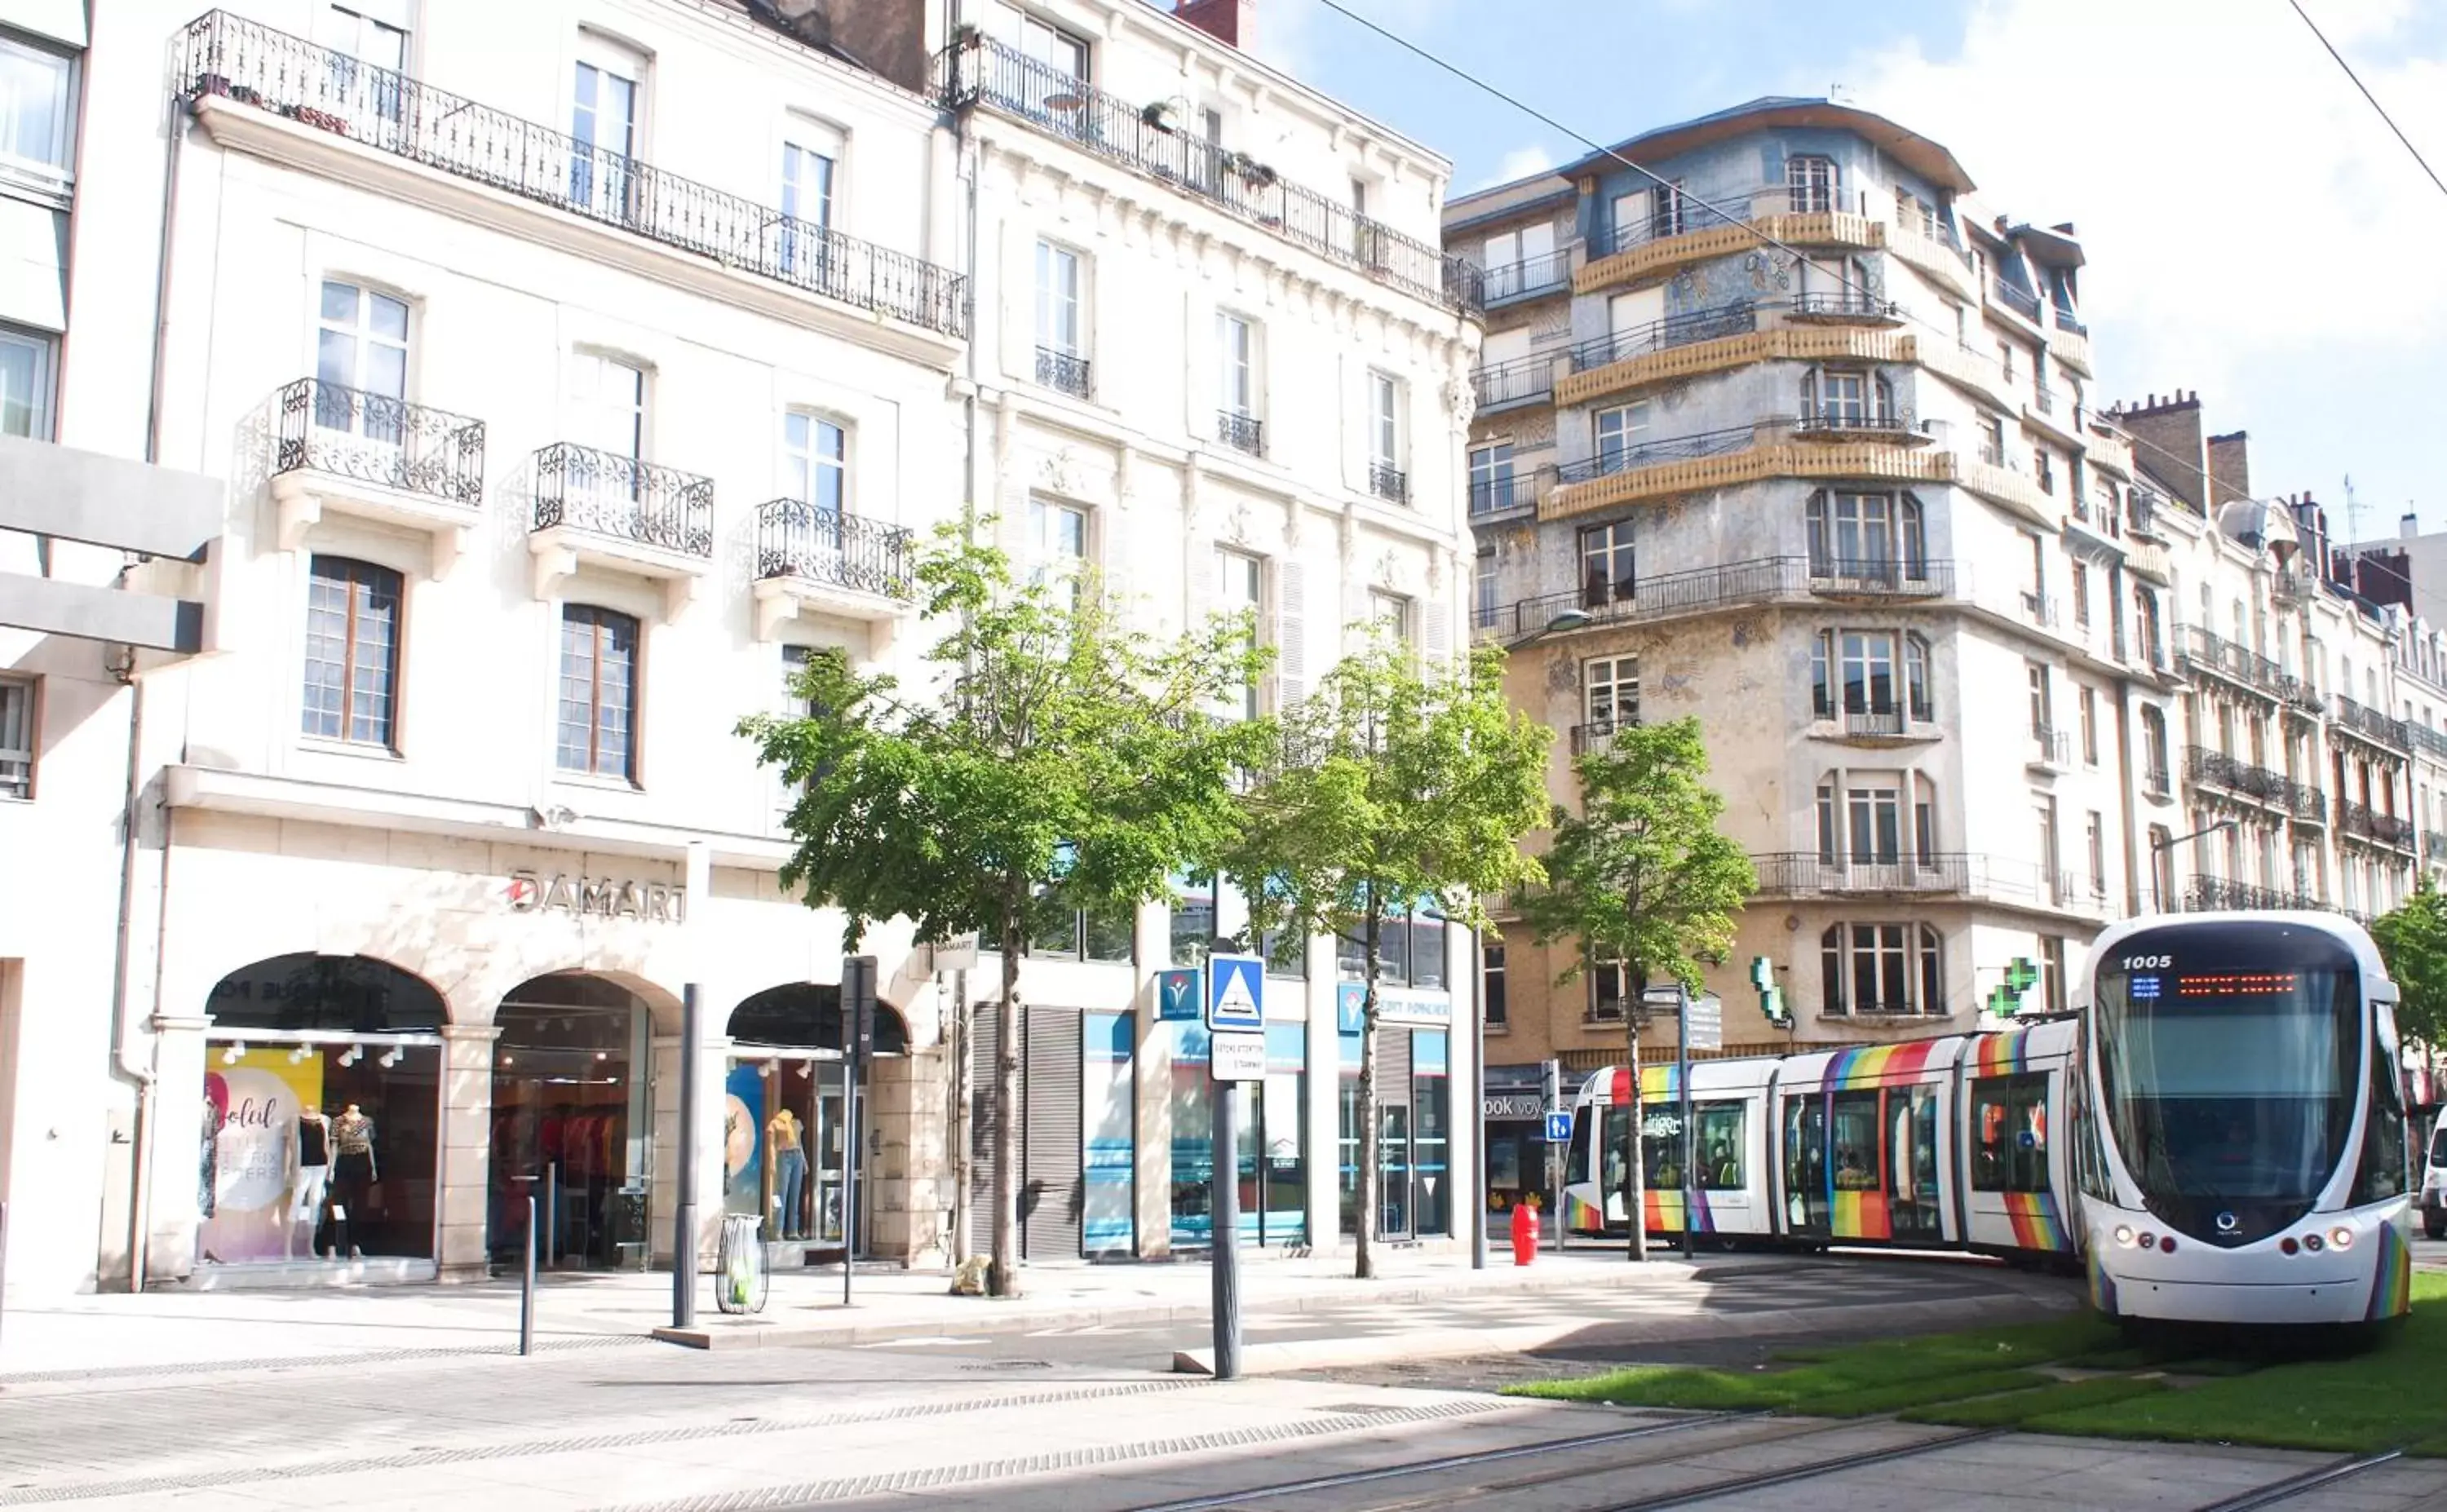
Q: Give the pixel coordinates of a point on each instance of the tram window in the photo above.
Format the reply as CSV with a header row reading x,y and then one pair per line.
x,y
1720,1146
1616,1162
2384,1172
1576,1164
1661,1147
1805,1163
1855,1142
1911,1120
2009,1134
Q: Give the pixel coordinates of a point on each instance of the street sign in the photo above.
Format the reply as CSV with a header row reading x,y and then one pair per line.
x,y
1176,993
1238,1057
1704,1021
1559,1128
1236,988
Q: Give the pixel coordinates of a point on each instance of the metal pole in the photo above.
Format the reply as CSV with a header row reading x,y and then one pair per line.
x,y
684,1216
526,1286
1226,1208
1690,1135
1551,1088
551,1214
1478,1099
849,1165
1635,1180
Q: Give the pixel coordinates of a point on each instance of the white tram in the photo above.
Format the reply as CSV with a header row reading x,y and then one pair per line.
x,y
2221,1133
2241,1143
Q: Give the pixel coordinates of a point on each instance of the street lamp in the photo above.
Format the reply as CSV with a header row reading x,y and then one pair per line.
x,y
1568,620
2171,841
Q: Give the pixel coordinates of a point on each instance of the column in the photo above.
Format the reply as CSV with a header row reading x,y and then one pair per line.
x,y
1152,1072
465,1177
904,1179
1464,1049
1324,1099
175,1140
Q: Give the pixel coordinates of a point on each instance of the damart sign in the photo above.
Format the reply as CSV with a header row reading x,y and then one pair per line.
x,y
597,897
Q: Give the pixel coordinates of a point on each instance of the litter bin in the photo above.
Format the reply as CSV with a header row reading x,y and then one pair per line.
x,y
742,1275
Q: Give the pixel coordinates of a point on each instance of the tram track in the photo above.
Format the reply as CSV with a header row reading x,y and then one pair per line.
x,y
2316,1478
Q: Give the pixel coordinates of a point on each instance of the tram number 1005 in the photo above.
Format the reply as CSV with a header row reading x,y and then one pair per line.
x,y
2148,963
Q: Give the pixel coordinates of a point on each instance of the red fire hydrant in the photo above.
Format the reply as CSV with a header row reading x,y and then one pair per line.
x,y
1524,1231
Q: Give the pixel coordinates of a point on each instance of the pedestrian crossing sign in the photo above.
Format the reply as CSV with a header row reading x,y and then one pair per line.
x,y
1236,993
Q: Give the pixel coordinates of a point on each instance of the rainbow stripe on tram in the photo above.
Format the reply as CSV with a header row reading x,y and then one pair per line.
x,y
1866,1212
2392,1288
2036,1223
2007,1053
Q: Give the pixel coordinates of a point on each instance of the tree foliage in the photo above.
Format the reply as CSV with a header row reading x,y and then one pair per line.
x,y
1058,760
2412,940
1391,787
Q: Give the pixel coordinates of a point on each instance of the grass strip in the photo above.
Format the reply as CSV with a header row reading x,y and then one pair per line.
x,y
1872,1400
2023,1407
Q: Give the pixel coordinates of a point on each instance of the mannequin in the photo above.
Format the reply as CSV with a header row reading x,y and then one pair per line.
x,y
353,1174
312,1179
785,1139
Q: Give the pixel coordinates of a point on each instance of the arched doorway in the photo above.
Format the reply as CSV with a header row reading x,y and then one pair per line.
x,y
572,1128
785,1113
322,1118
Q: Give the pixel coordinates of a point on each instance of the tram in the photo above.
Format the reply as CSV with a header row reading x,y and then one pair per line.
x,y
2218,1136
2241,1147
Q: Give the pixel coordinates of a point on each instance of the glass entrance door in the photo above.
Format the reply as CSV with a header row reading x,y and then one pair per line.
x,y
1393,1166
570,1125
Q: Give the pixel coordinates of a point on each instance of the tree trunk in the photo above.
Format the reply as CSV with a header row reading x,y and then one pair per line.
x,y
1372,1176
1002,1277
1635,1180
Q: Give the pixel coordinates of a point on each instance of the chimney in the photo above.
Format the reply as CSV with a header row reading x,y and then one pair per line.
x,y
2408,527
2169,433
1227,21
2229,467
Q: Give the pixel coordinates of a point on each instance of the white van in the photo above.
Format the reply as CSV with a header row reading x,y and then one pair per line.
x,y
2433,1183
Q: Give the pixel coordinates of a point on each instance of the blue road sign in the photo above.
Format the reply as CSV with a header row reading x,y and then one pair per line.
x,y
1236,993
1559,1128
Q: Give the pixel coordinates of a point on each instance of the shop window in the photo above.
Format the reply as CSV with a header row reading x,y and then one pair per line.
x,y
571,1124
2009,1130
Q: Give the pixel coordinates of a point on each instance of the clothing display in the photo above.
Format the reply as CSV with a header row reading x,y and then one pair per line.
x,y
353,1174
788,1139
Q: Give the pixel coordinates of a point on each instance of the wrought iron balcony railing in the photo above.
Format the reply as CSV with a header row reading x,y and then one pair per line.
x,y
350,434
1675,449
1839,423
2366,822
2157,783
1518,382
978,71
1527,277
2051,746
2427,739
1065,372
1761,580
1390,482
1598,733
2215,893
1841,305
2218,769
1878,576
795,539
2204,651
1493,495
606,493
1736,319
1240,432
1805,874
2065,322
228,57
2019,301
1678,215
2372,725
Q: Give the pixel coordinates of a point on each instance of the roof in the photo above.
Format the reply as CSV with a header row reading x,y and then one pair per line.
x,y
1932,160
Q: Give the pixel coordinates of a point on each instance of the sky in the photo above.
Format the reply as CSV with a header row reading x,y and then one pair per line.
x,y
2254,229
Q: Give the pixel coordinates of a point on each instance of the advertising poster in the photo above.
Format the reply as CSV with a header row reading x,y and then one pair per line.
x,y
743,1142
250,1155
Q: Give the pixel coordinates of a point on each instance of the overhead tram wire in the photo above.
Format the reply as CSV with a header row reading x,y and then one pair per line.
x,y
2358,84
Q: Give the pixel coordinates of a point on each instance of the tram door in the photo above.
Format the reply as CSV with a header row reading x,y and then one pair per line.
x,y
2010,1200
1805,1164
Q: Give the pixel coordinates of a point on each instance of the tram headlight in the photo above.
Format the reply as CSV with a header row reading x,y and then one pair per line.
x,y
2124,1234
2342,1237
2149,1240
2313,1243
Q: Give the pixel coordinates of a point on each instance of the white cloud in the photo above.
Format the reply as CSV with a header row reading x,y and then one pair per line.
x,y
1518,164
2240,202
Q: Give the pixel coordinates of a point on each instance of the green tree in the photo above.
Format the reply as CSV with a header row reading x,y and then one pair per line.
x,y
1060,761
1642,875
2412,940
1390,786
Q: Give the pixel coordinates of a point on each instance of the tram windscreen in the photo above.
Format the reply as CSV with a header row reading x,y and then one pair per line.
x,y
2231,1057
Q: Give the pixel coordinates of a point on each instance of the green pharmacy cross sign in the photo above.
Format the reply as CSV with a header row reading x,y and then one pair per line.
x,y
2022,975
1770,995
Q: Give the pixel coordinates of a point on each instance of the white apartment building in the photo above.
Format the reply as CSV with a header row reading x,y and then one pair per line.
x,y
567,376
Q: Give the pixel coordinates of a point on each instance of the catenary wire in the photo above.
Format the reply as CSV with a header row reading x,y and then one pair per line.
x,y
2358,84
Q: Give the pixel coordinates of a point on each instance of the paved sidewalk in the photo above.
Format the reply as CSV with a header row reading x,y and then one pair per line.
x,y
188,1331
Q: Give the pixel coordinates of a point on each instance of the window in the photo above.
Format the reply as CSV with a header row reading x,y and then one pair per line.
x,y
1609,984
815,456
1238,583
2081,595
1384,421
16,737
2095,836
25,383
1057,543
351,650
34,120
603,132
1668,209
608,404
1237,343
1809,184
1057,299
2044,468
2042,701
1869,535
1618,431
1868,669
1874,825
1389,614
373,32
1607,564
2009,1132
2087,706
1498,1013
2051,971
807,206
1918,702
1837,397
1610,693
361,363
1484,601
1881,969
2145,613
599,692
1490,477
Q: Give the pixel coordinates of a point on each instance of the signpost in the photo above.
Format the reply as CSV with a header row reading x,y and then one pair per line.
x,y
1236,1023
857,1028
1550,1075
1559,1128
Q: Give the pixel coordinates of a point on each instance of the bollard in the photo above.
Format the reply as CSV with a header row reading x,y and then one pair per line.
x,y
551,1216
526,1286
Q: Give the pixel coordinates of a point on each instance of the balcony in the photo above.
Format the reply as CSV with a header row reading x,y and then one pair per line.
x,y
1764,580
1725,459
1840,422
2066,323
1738,318
1648,454
2361,821
1496,496
2215,768
2039,609
1879,727
2291,587
2019,301
1684,230
1389,482
2051,749
1522,381
1880,577
1240,432
2157,783
1063,371
2204,652
1685,361
339,450
2216,895
599,508
1848,308
976,71
227,62
812,559
1526,279
1803,874
1599,735
2373,727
